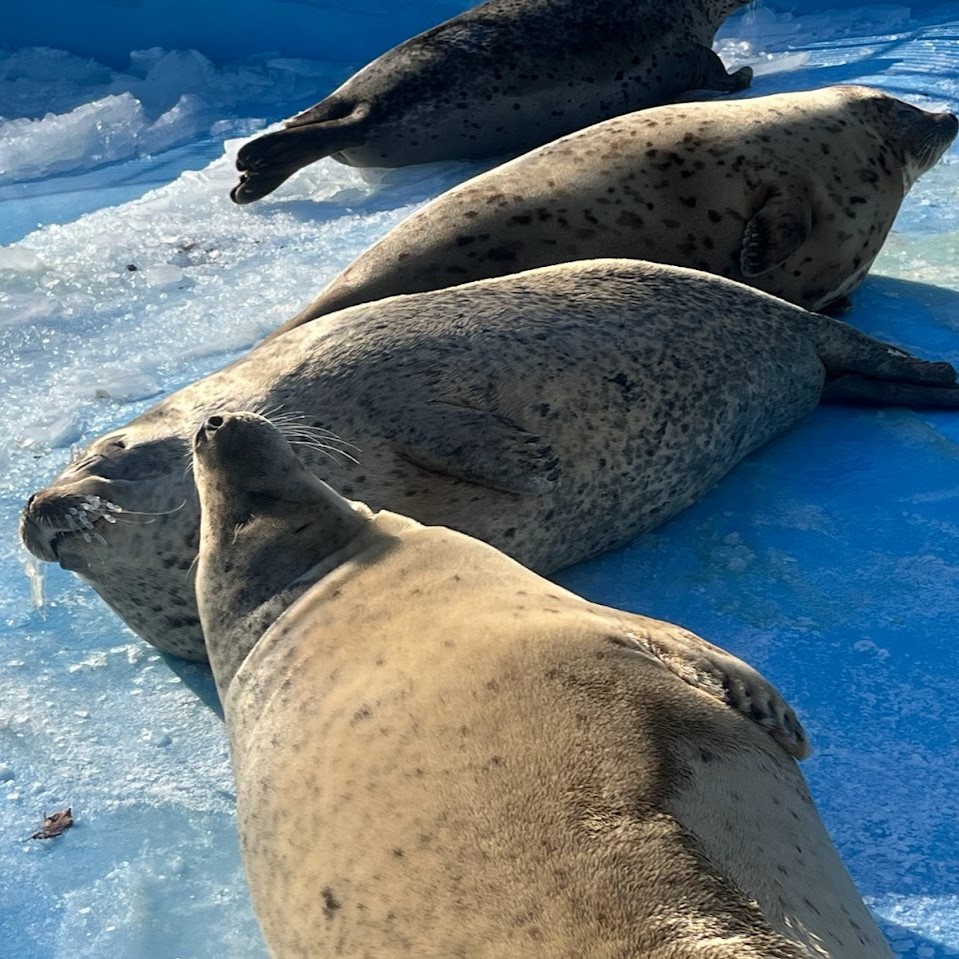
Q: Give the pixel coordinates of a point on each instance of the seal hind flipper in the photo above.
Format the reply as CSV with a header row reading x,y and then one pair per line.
x,y
863,370
777,229
269,160
855,390
727,678
478,446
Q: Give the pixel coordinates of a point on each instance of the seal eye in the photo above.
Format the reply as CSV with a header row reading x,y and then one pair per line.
x,y
213,423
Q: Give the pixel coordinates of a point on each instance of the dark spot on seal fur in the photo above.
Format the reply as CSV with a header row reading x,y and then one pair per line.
x,y
330,903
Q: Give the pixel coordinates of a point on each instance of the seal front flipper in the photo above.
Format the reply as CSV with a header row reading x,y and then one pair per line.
x,y
477,446
777,229
726,678
269,160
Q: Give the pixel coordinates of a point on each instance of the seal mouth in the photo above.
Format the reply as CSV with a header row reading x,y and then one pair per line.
x,y
52,519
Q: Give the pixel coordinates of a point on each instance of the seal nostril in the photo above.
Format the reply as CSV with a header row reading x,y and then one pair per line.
x,y
214,423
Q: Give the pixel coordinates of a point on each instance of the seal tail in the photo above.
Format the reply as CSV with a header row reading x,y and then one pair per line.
x,y
271,159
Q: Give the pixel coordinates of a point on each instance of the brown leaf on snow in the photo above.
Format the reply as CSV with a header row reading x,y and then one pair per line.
x,y
54,824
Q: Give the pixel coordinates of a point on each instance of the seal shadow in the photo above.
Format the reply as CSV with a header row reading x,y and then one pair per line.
x,y
907,63
198,678
812,76
909,313
381,191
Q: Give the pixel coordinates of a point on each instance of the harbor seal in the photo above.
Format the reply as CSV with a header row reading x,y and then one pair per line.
x,y
792,193
501,78
489,765
555,414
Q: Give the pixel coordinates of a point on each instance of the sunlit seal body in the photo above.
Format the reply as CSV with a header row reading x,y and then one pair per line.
x,y
554,414
439,753
503,77
792,193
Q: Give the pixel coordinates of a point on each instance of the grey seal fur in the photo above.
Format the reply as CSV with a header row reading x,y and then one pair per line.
x,y
501,78
439,753
792,193
554,414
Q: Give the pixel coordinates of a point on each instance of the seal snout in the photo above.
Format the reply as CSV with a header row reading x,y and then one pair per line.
x,y
230,436
950,124
81,511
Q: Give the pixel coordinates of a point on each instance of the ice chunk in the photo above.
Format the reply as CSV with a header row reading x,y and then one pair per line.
x,y
91,134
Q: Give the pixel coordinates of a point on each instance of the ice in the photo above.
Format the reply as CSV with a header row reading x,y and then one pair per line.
x,y
830,560
150,107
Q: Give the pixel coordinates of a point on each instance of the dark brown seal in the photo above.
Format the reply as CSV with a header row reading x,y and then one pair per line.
x,y
501,78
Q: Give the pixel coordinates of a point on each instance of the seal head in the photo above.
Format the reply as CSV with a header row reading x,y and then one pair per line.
x,y
267,521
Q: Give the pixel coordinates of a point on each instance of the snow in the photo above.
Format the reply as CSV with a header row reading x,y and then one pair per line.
x,y
829,560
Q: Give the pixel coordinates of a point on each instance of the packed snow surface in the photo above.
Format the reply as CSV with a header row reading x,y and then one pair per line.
x,y
829,560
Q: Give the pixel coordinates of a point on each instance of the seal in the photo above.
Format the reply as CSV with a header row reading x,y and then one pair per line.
x,y
792,193
489,765
555,414
501,78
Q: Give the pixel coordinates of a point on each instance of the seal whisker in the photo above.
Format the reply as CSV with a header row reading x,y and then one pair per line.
x,y
271,411
307,431
123,513
291,424
323,448
322,442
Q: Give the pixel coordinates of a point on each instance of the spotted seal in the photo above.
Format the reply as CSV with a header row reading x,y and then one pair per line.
x,y
501,78
792,193
489,765
554,414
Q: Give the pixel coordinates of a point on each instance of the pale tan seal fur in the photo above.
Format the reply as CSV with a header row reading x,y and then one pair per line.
x,y
439,753
555,414
503,77
793,194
